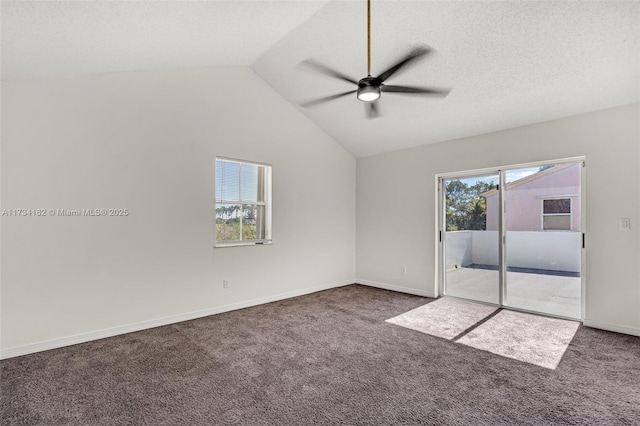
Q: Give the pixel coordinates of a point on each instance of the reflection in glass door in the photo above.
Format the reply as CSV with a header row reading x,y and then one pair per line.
x,y
471,268
544,239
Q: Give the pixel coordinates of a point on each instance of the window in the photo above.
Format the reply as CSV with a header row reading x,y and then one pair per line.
x,y
243,203
556,214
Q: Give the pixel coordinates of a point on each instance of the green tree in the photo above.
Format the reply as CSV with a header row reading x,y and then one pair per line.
x,y
249,213
466,209
477,213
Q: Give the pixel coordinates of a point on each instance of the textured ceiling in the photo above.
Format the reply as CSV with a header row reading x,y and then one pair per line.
x,y
508,63
63,38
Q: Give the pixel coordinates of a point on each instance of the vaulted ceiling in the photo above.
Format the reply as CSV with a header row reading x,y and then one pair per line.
x,y
507,63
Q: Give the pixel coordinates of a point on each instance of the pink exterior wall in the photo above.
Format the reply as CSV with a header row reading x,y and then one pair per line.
x,y
524,200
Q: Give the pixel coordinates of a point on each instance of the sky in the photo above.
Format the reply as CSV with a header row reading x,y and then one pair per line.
x,y
511,176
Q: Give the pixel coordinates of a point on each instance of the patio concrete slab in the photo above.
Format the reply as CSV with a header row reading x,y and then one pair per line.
x,y
550,294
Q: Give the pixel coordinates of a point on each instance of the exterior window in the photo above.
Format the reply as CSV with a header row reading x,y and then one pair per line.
x,y
243,203
556,214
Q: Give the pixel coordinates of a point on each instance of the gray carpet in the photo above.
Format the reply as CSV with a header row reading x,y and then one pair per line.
x,y
325,358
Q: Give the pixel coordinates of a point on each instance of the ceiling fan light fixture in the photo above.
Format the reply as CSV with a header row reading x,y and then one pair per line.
x,y
368,90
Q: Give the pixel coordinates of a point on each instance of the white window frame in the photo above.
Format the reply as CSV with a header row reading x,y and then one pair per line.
x,y
543,214
267,203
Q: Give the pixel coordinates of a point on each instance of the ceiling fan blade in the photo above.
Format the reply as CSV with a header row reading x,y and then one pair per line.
x,y
371,109
327,99
412,56
415,90
327,71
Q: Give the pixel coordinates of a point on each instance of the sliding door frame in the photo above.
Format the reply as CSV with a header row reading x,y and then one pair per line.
x,y
441,229
440,263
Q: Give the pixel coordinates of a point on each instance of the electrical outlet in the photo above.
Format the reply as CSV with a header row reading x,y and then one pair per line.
x,y
225,284
625,223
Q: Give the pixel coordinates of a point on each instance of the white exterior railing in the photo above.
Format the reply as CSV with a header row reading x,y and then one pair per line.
x,y
549,250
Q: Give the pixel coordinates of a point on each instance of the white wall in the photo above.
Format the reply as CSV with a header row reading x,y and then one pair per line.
x,y
459,249
550,250
553,251
147,142
485,247
610,140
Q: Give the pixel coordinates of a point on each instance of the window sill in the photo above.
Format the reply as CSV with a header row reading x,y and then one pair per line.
x,y
242,244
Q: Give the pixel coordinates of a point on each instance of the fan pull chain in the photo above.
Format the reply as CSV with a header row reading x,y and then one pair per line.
x,y
369,38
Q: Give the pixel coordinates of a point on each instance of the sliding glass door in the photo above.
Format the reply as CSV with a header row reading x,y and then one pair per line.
x,y
514,238
472,255
544,239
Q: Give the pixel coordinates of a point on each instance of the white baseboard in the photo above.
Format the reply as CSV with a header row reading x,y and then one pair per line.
x,y
624,329
397,288
143,325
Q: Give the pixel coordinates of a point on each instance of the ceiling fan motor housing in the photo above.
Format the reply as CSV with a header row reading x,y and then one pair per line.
x,y
369,89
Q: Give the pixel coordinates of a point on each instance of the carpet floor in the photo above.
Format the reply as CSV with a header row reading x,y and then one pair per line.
x,y
526,337
446,317
323,358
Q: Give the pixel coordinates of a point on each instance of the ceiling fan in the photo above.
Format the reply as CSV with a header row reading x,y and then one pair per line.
x,y
370,88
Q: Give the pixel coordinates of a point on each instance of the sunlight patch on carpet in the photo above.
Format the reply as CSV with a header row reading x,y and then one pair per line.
x,y
530,338
444,317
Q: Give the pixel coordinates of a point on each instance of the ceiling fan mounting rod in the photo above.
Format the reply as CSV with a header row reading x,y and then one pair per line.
x,y
370,88
369,38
